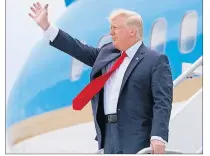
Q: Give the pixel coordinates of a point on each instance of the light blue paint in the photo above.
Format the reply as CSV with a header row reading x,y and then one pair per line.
x,y
44,83
68,2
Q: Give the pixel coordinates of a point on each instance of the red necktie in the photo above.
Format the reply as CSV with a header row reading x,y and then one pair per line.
x,y
95,86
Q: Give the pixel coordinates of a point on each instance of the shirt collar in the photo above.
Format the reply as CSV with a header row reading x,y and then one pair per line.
x,y
133,49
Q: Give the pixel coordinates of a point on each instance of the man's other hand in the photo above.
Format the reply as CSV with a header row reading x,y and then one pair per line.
x,y
158,147
40,15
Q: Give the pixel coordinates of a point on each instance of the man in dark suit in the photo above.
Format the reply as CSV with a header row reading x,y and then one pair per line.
x,y
131,85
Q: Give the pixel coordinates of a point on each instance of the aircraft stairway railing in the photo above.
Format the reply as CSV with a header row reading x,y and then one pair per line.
x,y
188,72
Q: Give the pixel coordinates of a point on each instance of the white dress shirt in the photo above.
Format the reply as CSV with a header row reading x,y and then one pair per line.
x,y
113,84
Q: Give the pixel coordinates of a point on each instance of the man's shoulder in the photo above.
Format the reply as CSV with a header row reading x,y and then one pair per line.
x,y
153,53
107,46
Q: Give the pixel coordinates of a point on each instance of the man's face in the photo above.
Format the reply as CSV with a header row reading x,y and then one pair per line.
x,y
119,32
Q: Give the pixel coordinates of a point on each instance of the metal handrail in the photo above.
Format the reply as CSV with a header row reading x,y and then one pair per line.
x,y
149,150
195,65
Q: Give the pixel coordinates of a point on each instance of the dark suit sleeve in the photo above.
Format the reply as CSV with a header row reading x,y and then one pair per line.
x,y
162,90
75,48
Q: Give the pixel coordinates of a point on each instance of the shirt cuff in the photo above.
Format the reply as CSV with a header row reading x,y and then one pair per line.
x,y
51,32
158,138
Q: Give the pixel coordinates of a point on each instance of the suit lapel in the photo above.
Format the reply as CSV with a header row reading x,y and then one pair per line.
x,y
114,54
108,57
135,60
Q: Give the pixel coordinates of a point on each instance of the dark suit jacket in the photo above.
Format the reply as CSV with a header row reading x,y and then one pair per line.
x,y
145,99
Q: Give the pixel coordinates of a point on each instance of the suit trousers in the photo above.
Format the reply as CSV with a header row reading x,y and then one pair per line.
x,y
112,140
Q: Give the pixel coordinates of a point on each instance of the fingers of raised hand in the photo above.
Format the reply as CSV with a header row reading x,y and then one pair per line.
x,y
36,6
39,5
34,10
31,15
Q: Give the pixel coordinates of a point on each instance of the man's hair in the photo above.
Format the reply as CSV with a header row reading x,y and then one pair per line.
x,y
132,19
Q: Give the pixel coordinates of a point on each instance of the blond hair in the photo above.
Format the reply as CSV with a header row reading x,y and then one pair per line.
x,y
132,19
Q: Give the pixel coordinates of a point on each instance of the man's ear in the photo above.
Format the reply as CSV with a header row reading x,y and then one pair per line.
x,y
133,31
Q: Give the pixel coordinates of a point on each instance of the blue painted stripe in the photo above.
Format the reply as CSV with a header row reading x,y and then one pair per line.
x,y
68,2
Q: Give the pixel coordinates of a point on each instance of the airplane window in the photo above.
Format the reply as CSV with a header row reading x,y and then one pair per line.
x,y
188,32
158,35
104,40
